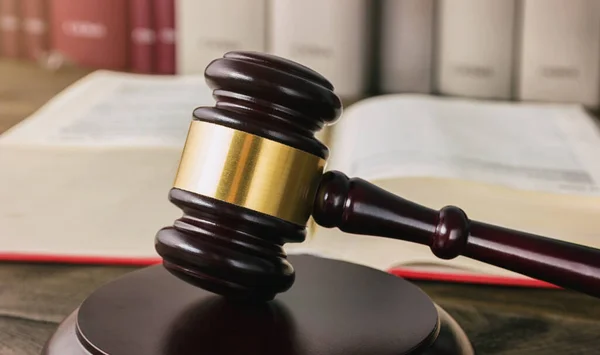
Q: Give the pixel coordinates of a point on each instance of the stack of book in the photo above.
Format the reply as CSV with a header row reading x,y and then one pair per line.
x,y
525,50
125,35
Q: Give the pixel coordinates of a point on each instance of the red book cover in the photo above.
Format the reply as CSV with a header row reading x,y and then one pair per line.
x,y
10,29
91,33
400,272
469,278
142,36
35,28
164,12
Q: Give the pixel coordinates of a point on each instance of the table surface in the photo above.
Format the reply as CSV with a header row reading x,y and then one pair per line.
x,y
34,298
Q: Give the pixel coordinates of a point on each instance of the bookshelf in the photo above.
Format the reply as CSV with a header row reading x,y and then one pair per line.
x,y
413,46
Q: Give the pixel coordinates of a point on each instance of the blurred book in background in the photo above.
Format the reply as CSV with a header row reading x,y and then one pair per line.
x,y
91,33
164,17
407,46
475,48
143,36
560,51
206,29
329,36
10,29
34,14
511,50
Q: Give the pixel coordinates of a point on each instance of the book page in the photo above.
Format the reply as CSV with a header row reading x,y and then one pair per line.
x,y
88,174
529,167
538,147
116,109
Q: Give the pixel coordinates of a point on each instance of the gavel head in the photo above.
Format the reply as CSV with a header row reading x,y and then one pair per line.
x,y
248,175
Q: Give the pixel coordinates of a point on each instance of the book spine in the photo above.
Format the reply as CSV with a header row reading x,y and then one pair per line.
x,y
406,46
560,51
328,36
206,29
35,28
475,53
10,29
142,36
164,21
91,33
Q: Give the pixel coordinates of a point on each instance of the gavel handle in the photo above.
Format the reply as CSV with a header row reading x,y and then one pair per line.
x,y
358,207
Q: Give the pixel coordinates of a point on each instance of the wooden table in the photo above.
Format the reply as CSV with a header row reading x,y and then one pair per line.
x,y
34,298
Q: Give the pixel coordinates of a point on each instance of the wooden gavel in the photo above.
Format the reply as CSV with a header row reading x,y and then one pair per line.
x,y
251,175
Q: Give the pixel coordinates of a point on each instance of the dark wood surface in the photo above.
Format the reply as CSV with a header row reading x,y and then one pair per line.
x,y
334,307
34,298
356,206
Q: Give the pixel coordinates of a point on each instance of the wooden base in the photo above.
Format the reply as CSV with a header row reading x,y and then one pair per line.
x,y
334,307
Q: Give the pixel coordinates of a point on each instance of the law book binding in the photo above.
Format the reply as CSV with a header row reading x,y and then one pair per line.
x,y
330,36
91,33
475,48
142,35
164,20
205,29
34,14
10,29
560,52
407,46
101,180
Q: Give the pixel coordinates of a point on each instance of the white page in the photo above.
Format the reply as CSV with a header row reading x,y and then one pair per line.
x,y
552,148
116,109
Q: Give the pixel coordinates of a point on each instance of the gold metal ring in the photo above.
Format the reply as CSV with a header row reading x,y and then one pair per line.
x,y
249,171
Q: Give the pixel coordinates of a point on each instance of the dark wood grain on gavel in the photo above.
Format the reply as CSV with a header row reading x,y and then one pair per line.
x,y
359,207
227,249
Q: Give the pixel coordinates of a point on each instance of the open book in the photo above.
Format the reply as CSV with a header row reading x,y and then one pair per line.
x,y
85,179
530,167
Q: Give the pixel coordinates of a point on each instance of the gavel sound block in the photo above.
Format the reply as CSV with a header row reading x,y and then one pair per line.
x,y
250,176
